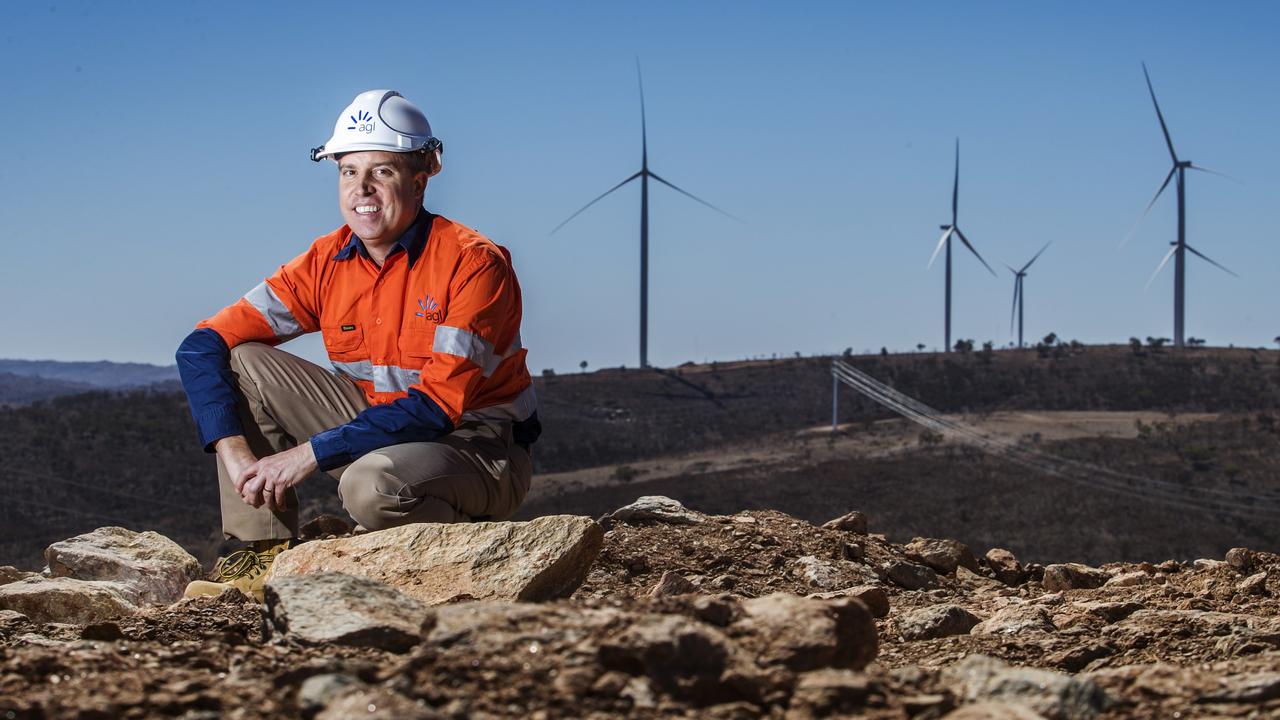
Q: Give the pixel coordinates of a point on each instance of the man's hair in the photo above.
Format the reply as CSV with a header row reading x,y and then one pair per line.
x,y
418,161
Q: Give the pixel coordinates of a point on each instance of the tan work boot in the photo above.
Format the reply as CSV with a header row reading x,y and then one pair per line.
x,y
245,570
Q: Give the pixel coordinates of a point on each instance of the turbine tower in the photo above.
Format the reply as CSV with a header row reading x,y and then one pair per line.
x,y
644,173
1180,247
948,231
1018,301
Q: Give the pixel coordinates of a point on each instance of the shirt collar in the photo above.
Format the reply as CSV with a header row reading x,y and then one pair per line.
x,y
413,241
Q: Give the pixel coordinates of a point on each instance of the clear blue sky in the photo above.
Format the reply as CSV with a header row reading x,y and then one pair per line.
x,y
156,164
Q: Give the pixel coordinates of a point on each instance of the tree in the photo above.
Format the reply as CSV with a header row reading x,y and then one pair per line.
x,y
1050,339
1195,342
964,346
583,365
1136,346
920,346
1156,342
1277,340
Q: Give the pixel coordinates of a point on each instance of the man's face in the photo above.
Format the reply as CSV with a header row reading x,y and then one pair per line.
x,y
378,195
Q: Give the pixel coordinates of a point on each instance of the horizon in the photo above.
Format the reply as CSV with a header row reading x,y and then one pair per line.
x,y
199,184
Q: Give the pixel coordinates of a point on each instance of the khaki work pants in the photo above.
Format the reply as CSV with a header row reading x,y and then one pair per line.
x,y
476,472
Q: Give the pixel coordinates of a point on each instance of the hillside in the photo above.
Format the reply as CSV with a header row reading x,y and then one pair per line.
x,y
131,459
100,374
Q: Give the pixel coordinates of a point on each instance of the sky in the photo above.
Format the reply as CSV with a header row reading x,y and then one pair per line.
x,y
156,165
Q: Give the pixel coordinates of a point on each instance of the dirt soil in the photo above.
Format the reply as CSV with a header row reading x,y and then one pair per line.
x,y
1160,640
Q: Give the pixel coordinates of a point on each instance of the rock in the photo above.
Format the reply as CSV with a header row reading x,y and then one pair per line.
x,y
979,678
340,609
873,596
1110,612
545,558
718,610
943,556
318,691
375,703
817,573
1241,560
806,634
1255,584
994,711
1005,566
672,650
1077,658
1073,576
912,576
155,568
1249,688
1016,620
67,600
1208,564
12,621
854,522
827,692
936,621
9,573
1132,579
653,508
672,583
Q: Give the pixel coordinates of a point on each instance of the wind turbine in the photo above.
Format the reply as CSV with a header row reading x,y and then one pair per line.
x,y
1018,301
954,230
1180,247
644,173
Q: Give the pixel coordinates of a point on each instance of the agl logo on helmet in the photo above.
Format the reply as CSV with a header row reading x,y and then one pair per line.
x,y
362,122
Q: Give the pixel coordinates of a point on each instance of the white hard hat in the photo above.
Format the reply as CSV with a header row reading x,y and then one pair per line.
x,y
379,120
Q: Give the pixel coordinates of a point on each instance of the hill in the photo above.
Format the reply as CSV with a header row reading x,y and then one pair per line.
x,y
131,459
24,381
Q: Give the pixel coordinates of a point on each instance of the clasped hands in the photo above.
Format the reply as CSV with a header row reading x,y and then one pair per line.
x,y
265,481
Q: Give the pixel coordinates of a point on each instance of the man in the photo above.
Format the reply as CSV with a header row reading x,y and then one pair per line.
x,y
431,411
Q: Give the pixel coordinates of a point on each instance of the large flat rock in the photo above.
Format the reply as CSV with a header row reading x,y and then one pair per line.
x,y
542,559
338,609
67,600
155,568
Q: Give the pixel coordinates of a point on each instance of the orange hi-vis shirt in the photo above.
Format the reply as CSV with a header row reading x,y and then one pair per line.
x,y
441,318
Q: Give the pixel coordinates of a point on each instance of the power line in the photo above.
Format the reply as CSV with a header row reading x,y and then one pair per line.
x,y
1073,470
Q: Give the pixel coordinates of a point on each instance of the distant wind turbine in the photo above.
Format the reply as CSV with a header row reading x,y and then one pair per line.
x,y
1180,247
643,174
954,230
1018,301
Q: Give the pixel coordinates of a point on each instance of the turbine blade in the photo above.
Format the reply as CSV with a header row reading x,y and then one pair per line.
x,y
695,197
943,241
1143,216
1160,267
1168,140
593,202
1211,261
1033,258
644,132
1203,169
955,188
965,240
1015,272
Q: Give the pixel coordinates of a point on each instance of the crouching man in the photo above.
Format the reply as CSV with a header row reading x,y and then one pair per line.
x,y
429,411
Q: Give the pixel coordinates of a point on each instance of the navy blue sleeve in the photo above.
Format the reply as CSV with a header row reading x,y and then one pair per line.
x,y
205,368
415,418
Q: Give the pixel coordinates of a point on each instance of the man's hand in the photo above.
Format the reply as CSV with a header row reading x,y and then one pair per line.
x,y
266,481
236,457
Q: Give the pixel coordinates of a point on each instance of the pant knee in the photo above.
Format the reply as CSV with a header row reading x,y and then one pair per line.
x,y
376,499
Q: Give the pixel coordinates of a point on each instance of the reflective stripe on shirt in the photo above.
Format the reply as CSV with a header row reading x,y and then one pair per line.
x,y
276,313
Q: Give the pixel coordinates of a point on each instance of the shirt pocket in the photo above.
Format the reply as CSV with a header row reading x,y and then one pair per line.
x,y
344,342
415,347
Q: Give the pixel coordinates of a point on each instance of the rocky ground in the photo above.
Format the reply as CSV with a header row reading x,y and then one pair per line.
x,y
658,611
